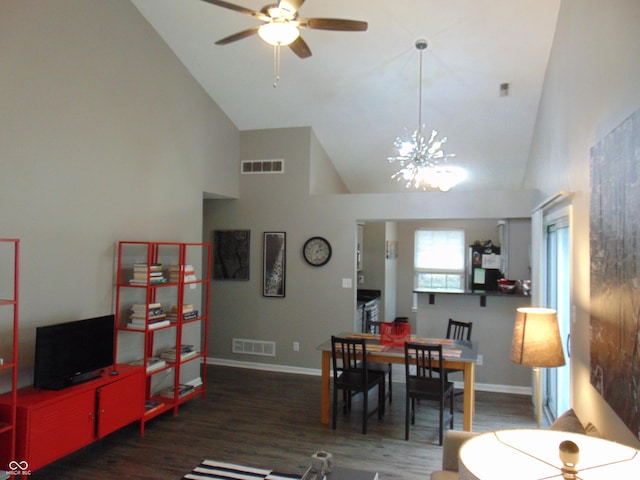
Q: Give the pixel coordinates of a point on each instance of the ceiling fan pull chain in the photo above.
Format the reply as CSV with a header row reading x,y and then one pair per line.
x,y
276,64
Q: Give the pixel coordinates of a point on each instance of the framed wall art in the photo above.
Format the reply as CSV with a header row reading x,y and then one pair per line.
x,y
231,254
615,286
274,264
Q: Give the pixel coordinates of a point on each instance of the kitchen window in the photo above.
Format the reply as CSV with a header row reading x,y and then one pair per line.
x,y
439,260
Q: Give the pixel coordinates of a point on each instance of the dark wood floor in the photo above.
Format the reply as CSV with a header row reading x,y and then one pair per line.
x,y
271,420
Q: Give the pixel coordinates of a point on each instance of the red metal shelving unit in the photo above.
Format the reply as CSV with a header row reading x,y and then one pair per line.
x,y
9,299
168,293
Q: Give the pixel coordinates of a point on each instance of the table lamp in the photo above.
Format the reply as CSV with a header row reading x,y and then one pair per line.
x,y
528,454
536,343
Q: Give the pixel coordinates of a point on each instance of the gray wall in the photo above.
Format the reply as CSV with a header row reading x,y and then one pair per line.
x,y
591,87
105,137
316,305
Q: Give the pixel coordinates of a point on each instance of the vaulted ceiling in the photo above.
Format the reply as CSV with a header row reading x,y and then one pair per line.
x,y
360,90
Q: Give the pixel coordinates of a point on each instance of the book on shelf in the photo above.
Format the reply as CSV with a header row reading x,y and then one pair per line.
x,y
183,390
186,308
183,349
186,272
144,267
143,275
151,281
143,321
151,316
196,382
151,405
153,363
173,316
142,307
152,325
186,352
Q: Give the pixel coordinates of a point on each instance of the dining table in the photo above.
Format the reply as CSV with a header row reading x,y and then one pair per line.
x,y
457,354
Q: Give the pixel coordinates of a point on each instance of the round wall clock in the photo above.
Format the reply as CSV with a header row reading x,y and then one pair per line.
x,y
317,251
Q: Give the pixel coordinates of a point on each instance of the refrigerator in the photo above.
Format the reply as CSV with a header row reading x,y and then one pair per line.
x,y
485,267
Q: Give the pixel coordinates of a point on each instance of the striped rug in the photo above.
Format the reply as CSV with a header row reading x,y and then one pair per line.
x,y
213,470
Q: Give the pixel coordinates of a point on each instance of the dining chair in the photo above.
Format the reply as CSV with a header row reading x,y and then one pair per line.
x,y
351,375
391,330
425,380
458,330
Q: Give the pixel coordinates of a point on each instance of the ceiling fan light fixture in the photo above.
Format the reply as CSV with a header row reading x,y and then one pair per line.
x,y
279,33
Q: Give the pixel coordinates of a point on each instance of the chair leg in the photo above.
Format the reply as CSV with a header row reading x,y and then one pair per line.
x,y
413,411
335,407
381,398
406,417
451,411
390,384
365,410
442,407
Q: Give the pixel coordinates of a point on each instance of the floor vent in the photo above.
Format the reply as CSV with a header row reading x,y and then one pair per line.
x,y
254,347
261,166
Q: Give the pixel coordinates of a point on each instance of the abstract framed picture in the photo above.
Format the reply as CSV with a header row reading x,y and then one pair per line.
x,y
274,260
231,254
615,284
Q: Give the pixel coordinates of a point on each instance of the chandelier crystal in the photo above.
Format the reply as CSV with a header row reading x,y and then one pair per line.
x,y
420,155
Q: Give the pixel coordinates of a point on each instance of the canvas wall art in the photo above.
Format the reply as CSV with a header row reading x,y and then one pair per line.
x,y
274,264
615,270
231,254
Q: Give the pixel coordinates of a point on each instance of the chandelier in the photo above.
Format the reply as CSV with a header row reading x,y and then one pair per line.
x,y
421,158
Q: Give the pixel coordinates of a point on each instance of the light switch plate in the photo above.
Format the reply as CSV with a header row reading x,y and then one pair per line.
x,y
346,283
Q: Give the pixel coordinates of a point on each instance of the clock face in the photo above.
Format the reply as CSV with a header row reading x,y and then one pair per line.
x,y
317,251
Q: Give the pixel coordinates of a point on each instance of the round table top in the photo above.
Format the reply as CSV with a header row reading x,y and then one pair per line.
x,y
534,455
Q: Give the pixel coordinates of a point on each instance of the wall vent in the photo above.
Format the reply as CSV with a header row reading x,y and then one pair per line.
x,y
254,347
248,167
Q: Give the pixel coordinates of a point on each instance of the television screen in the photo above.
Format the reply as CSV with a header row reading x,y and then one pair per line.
x,y
72,352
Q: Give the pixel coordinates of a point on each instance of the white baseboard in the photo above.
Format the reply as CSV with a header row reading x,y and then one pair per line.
x,y
269,367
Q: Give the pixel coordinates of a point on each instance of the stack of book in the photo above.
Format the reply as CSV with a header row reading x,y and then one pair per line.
x,y
151,315
145,274
183,391
186,351
153,363
188,313
187,272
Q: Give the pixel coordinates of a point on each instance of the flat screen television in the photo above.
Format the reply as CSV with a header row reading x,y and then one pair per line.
x,y
73,352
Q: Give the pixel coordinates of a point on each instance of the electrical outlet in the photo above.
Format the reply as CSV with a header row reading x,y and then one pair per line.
x,y
296,346
480,360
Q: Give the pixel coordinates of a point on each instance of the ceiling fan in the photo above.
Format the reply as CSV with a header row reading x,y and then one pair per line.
x,y
281,25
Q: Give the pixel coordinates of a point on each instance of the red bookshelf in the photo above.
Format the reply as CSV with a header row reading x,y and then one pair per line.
x,y
162,296
9,296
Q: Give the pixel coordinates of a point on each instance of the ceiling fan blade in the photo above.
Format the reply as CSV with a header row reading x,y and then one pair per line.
x,y
300,48
238,8
333,24
238,36
290,6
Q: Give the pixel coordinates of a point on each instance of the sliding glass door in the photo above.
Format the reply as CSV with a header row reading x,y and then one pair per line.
x,y
557,388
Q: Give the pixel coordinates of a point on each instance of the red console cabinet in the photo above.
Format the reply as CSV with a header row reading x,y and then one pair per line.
x,y
52,424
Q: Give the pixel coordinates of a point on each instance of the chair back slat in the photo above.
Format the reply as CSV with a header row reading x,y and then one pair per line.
x,y
422,361
459,330
348,354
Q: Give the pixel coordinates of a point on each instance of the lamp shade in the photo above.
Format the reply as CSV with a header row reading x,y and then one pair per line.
x,y
536,338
